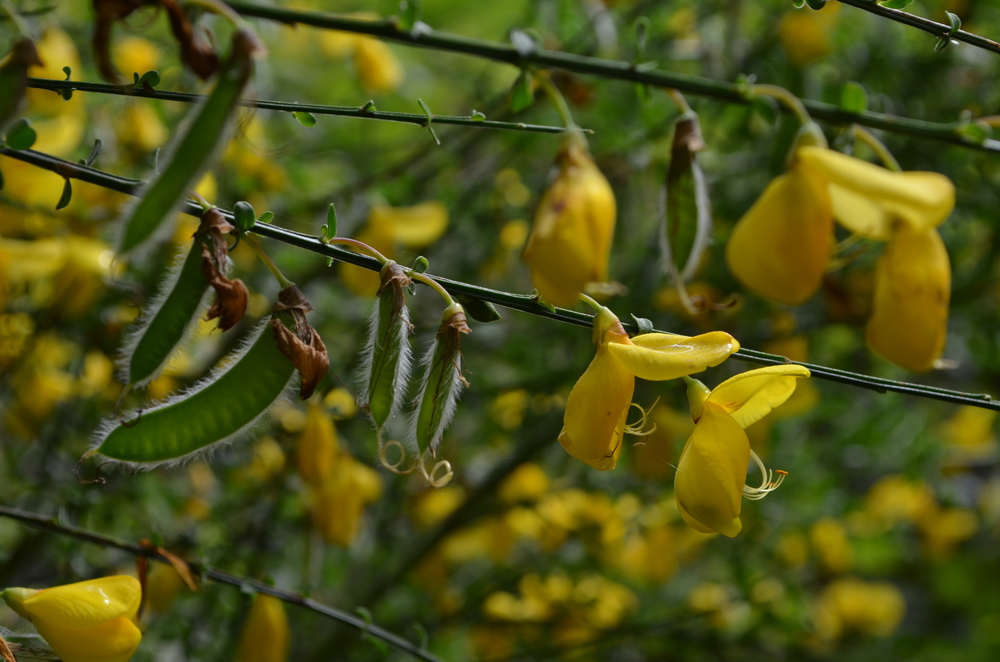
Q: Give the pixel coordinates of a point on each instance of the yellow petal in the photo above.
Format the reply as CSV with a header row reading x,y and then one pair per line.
x,y
910,311
751,395
662,356
316,450
265,636
858,213
112,641
85,604
413,227
595,412
572,232
922,199
780,248
711,473
378,67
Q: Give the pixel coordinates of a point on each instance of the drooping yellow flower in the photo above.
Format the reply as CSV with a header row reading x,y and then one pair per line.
x,y
265,636
781,246
574,224
912,288
594,423
91,621
316,450
337,504
710,482
378,68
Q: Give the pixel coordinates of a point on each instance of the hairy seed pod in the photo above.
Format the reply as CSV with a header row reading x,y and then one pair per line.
x,y
257,378
386,361
193,152
442,382
687,218
183,296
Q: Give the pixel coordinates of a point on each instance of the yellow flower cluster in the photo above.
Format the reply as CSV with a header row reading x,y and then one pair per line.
x,y
781,247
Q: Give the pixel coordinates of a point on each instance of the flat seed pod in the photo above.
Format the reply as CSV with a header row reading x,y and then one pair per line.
x,y
193,152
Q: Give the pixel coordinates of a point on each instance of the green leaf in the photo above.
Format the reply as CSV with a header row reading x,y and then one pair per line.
x,y
369,107
66,196
521,95
331,222
266,217
896,4
95,152
644,325
974,132
477,116
853,98
148,81
409,14
478,309
20,135
816,4
420,264
304,118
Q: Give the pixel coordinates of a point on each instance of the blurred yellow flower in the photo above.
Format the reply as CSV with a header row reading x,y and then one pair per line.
x,y
265,636
831,544
90,621
853,605
710,482
594,421
133,54
337,504
378,68
389,228
574,224
316,449
805,34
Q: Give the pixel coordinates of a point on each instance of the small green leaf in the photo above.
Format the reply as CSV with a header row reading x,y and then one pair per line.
x,y
955,21
521,95
816,4
799,4
409,14
430,119
477,116
244,215
20,135
644,325
420,264
68,71
896,4
266,217
943,43
853,98
478,309
974,132
331,222
369,107
148,81
95,152
66,196
304,118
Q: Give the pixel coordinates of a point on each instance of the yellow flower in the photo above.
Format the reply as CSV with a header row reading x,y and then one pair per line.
x,y
805,35
781,246
872,608
574,225
594,423
265,635
91,621
338,503
316,450
909,319
711,474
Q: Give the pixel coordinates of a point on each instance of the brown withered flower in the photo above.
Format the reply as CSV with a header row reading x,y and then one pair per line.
x,y
231,296
299,341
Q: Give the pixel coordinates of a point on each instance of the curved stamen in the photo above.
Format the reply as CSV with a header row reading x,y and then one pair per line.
x,y
639,427
769,481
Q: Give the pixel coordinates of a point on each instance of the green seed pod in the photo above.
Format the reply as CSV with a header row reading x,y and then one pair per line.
x,y
688,215
442,382
193,152
183,297
219,409
14,79
386,361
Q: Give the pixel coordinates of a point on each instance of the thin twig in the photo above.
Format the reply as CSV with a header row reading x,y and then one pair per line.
x,y
52,525
939,30
423,36
359,112
523,302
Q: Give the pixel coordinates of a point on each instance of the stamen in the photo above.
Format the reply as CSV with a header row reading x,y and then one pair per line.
x,y
639,427
770,480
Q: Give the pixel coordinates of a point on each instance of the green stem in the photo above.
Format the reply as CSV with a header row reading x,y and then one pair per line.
x,y
523,302
360,245
614,69
268,262
51,525
590,301
557,99
340,111
786,99
431,283
877,146
679,100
